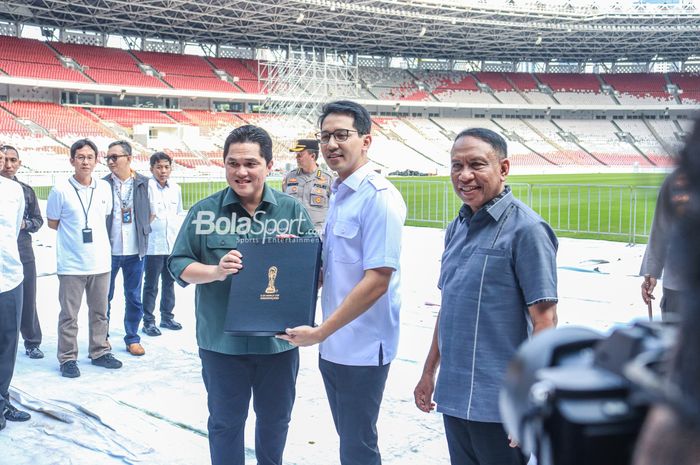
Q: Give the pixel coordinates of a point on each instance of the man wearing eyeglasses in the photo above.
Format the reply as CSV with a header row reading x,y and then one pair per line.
x,y
309,183
360,298
77,209
128,227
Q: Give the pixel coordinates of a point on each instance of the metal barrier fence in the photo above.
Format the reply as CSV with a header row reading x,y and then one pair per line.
x,y
194,189
619,213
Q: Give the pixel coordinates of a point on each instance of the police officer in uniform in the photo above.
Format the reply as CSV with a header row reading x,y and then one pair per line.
x,y
309,183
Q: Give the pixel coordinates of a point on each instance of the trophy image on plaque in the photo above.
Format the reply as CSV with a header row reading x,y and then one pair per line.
x,y
271,275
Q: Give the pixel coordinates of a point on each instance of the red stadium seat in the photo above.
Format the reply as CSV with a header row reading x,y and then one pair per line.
x,y
58,120
129,117
570,82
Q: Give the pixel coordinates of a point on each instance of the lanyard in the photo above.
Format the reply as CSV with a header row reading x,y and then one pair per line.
x,y
126,200
85,211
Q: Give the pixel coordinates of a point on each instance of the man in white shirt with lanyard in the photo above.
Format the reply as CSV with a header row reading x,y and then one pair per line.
x,y
166,209
360,331
77,209
11,276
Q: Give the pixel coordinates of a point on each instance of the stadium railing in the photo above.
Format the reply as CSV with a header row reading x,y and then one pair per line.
x,y
591,211
619,213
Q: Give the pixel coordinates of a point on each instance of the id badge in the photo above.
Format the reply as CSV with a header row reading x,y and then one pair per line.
x,y
126,215
87,235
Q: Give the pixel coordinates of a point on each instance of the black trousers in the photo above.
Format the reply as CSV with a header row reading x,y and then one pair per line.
x,y
355,396
10,312
155,268
29,326
671,305
479,443
230,380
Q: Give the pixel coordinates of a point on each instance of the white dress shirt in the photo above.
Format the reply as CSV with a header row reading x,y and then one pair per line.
x,y
363,232
123,235
166,205
73,256
11,214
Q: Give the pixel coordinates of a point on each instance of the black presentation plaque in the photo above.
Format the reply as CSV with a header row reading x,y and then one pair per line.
x,y
277,287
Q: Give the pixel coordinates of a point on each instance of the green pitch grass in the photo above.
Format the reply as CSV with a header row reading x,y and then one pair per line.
x,y
617,207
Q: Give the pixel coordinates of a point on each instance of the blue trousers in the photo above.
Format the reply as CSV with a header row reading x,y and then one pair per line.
x,y
230,380
155,268
479,443
132,271
355,395
10,315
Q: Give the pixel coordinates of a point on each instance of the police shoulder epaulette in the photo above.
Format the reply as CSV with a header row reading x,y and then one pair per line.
x,y
322,175
379,182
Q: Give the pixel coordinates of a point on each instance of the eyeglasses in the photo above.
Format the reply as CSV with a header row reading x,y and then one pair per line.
x,y
113,158
340,135
82,159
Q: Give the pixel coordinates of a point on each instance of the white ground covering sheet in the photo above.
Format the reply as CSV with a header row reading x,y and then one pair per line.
x,y
153,410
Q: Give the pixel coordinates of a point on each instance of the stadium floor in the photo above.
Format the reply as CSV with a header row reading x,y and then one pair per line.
x,y
153,410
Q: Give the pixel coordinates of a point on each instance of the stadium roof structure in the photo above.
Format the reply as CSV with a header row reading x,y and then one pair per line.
x,y
500,30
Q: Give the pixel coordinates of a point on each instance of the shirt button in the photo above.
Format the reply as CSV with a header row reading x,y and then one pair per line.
x,y
222,242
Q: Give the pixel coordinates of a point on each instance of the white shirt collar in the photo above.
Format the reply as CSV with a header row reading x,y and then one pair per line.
x,y
116,179
75,183
355,179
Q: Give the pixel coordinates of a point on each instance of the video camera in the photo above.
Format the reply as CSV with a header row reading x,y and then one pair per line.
x,y
573,396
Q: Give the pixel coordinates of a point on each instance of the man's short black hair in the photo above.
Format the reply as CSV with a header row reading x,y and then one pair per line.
x,y
5,148
362,122
125,145
253,135
79,144
160,156
492,138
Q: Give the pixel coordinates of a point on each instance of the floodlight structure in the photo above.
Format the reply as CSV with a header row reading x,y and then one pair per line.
x,y
301,82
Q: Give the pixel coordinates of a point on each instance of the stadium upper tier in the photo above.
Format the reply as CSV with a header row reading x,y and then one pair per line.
x,y
85,65
44,131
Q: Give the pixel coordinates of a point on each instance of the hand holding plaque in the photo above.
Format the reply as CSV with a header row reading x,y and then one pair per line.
x,y
303,336
231,263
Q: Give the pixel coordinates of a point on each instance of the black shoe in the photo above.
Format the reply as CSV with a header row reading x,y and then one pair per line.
x,y
69,369
34,352
170,324
150,329
107,361
12,414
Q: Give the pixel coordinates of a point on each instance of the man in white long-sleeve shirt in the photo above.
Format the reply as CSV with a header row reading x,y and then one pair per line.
x,y
165,198
11,276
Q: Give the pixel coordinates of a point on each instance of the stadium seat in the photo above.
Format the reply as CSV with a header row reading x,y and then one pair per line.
x,y
635,88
